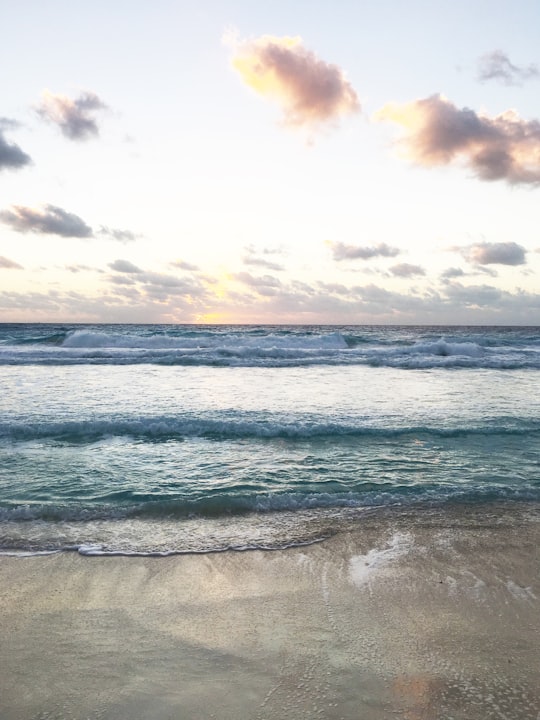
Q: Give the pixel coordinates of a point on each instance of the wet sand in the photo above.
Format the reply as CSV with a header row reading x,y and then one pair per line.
x,y
407,615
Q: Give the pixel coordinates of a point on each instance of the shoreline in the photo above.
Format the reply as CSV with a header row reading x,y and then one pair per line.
x,y
396,617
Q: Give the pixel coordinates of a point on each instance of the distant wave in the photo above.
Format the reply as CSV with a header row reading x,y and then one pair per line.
x,y
270,341
269,349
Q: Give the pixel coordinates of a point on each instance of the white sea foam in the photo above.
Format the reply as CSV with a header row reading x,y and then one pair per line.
x,y
271,341
446,349
362,568
519,592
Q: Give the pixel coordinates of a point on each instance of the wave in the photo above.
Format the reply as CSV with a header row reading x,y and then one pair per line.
x,y
163,428
225,506
423,356
263,346
270,341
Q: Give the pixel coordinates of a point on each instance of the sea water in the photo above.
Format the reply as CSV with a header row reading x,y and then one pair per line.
x,y
160,439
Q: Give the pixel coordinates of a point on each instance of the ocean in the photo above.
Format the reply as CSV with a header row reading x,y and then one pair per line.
x,y
170,439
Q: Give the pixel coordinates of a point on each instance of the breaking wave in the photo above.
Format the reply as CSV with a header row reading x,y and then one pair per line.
x,y
177,428
270,347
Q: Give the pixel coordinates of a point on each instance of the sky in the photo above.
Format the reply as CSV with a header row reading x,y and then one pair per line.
x,y
293,161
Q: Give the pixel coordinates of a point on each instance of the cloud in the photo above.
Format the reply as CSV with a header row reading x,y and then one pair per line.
x,y
124,266
266,285
123,236
9,123
183,265
8,264
341,251
252,258
496,65
504,147
158,287
407,270
451,273
11,155
81,268
503,253
56,221
75,118
310,91
51,220
113,304
159,298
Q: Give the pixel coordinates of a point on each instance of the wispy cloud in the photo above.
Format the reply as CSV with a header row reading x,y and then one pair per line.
x,y
75,118
252,257
157,297
504,147
81,268
342,251
497,66
503,253
11,155
183,265
8,264
310,91
265,285
51,220
156,286
123,236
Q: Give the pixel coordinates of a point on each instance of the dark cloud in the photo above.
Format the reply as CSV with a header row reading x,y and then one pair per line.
x,y
504,147
56,221
496,65
123,236
51,220
451,273
75,118
310,91
8,264
503,253
9,123
11,155
407,270
124,266
341,251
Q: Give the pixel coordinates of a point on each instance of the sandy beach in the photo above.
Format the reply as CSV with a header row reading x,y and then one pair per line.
x,y
398,617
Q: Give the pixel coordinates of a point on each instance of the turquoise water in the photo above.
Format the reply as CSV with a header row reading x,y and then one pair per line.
x,y
163,439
